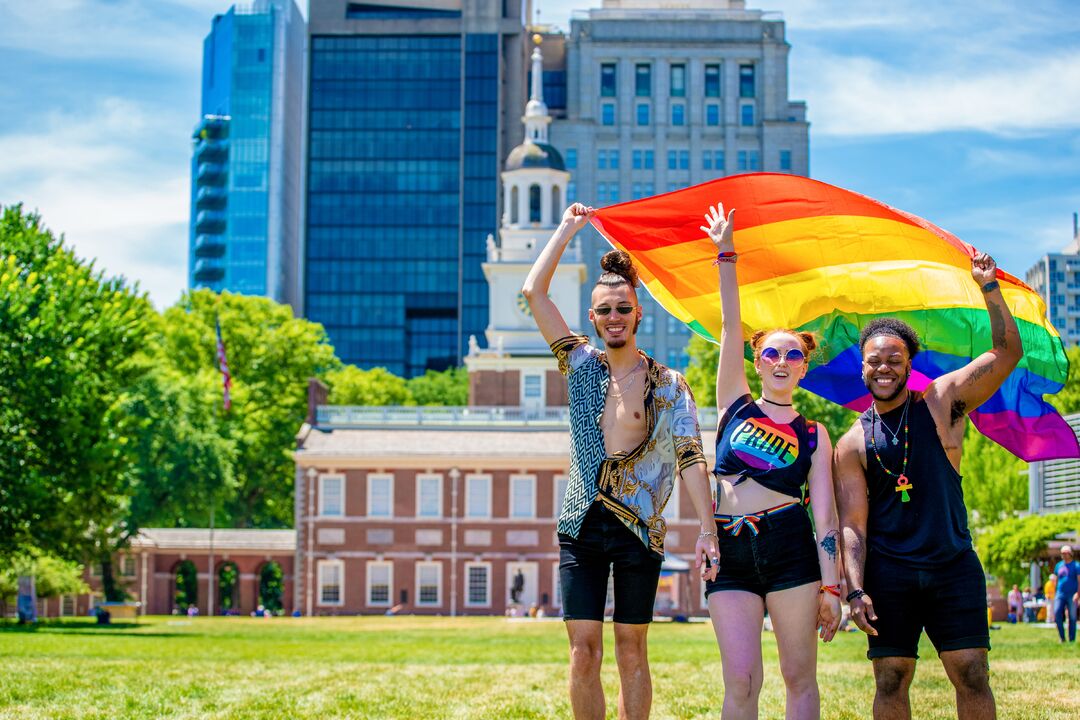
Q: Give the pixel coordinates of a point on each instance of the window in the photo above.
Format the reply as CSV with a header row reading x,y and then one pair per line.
x,y
330,581
534,203
719,162
477,496
560,482
746,81
532,388
635,191
648,159
571,158
607,80
601,159
785,160
127,566
684,159
672,159
613,159
522,496
429,496
673,325
712,114
673,186
706,160
67,605
331,495
678,114
379,577
514,197
647,324
642,114
428,584
638,159
571,191
643,80
712,81
678,80
607,114
746,114
380,502
477,584
613,192
556,204
749,160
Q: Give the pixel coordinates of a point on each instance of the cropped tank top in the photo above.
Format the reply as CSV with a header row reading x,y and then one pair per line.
x,y
776,455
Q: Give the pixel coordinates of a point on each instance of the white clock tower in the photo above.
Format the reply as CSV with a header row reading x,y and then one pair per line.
x,y
517,367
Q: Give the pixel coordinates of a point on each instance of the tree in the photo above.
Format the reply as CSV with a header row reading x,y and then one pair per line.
x,y
995,480
68,336
701,376
53,576
350,385
271,356
449,387
1009,547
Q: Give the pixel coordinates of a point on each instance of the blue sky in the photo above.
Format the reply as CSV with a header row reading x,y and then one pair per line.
x,y
966,113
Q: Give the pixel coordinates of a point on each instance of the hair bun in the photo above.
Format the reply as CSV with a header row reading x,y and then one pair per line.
x,y
618,262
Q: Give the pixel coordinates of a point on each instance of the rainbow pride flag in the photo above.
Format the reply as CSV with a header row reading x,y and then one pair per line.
x,y
819,258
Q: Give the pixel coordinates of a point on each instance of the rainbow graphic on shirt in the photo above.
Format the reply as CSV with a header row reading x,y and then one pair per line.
x,y
764,444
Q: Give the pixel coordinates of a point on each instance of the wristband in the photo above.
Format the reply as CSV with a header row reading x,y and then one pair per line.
x,y
704,535
723,257
990,287
833,590
857,593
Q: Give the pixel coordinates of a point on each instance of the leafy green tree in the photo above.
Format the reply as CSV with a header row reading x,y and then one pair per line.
x,y
995,480
350,385
271,356
68,336
1009,547
53,576
1068,400
449,387
271,587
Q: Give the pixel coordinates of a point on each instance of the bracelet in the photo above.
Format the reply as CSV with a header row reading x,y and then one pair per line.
x,y
833,590
857,593
990,287
728,257
706,534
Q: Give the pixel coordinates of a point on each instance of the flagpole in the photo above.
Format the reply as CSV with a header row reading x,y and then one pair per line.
x,y
210,608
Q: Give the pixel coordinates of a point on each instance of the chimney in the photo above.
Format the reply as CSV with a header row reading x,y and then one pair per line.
x,y
317,394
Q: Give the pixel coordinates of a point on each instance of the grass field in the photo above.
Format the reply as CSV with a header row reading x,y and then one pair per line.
x,y
406,667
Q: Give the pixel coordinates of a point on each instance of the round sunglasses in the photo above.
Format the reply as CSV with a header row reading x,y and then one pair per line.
x,y
794,356
622,309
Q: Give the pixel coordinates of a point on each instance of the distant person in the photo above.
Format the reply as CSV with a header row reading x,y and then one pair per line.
x,y
907,548
1016,605
1068,572
1049,589
633,430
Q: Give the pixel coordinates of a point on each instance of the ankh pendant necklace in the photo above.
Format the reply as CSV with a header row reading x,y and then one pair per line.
x,y
903,484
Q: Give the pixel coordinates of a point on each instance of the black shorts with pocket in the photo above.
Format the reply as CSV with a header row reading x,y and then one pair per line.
x,y
948,601
605,546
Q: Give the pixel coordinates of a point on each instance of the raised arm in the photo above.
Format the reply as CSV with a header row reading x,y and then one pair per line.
x,y
963,390
548,318
730,371
823,504
849,481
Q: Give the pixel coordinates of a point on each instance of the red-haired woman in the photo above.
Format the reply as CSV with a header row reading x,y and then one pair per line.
x,y
768,457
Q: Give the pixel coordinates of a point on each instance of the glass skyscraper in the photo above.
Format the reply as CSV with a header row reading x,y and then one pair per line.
x,y
246,164
406,123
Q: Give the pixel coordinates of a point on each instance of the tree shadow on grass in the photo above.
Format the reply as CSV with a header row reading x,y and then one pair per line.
x,y
78,628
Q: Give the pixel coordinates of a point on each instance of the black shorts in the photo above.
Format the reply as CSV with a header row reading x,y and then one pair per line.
x,y
782,554
605,544
948,601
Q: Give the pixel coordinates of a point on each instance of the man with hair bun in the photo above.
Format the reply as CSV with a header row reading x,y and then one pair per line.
x,y
906,546
633,428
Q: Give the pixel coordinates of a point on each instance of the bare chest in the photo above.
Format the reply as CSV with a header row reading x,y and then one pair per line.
x,y
623,421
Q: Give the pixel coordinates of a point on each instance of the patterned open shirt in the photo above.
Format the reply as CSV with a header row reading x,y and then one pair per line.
x,y
636,485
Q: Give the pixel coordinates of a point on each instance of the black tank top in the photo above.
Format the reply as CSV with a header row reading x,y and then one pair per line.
x,y
776,455
930,527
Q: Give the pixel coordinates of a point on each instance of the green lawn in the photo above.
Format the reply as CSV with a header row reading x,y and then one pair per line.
x,y
406,667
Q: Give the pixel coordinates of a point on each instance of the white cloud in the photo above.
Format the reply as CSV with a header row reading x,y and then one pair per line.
x,y
109,184
862,96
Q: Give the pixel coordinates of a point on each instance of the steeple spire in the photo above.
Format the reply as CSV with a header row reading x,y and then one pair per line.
x,y
536,113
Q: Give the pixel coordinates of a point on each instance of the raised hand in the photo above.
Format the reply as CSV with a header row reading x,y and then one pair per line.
x,y
577,216
720,229
983,269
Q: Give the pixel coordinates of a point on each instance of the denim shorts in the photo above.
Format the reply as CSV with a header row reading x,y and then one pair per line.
x,y
774,553
948,601
605,546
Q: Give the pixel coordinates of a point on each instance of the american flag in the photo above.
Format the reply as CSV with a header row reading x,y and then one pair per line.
x,y
223,365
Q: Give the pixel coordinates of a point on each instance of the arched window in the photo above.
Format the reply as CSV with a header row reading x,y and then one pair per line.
x,y
187,585
556,205
514,205
271,587
228,589
534,203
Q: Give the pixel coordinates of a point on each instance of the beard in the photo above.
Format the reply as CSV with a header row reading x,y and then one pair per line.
x,y
901,385
620,342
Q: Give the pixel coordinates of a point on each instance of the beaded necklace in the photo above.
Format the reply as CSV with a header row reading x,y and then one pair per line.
x,y
903,485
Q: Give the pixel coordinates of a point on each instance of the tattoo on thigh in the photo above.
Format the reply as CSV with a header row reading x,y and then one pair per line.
x,y
828,544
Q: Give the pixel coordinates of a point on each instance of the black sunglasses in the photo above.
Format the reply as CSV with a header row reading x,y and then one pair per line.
x,y
623,309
